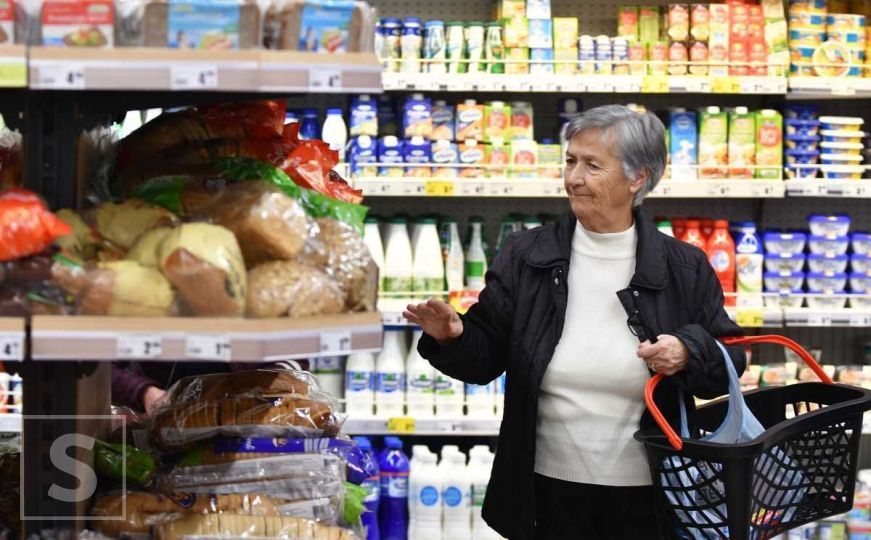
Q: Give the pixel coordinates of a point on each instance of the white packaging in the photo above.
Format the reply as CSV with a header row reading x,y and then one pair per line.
x,y
449,397
360,384
335,132
456,261
372,239
481,400
419,382
329,372
480,466
397,258
390,375
476,259
456,498
428,271
425,500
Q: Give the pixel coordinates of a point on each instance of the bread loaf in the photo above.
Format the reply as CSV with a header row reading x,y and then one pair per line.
x,y
348,261
123,223
156,27
292,289
126,289
291,528
252,382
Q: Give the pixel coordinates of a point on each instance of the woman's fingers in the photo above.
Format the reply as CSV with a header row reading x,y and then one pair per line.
x,y
411,317
441,307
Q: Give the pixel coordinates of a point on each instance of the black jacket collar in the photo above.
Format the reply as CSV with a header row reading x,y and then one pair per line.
x,y
554,247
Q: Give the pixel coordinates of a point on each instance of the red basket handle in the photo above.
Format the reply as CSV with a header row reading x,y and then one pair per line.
x,y
654,381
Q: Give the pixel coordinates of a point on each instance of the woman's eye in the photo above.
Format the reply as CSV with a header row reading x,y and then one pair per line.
x,y
593,166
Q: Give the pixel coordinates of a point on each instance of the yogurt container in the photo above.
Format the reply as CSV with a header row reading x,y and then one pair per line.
x,y
861,243
795,158
842,172
789,263
806,36
860,283
849,148
842,135
802,143
784,243
860,301
807,128
830,226
790,299
823,264
850,37
801,112
826,282
841,123
780,282
823,245
860,263
803,55
826,302
841,159
844,21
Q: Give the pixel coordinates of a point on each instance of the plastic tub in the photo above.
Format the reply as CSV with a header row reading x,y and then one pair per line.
x,y
826,302
784,243
801,143
849,148
826,282
807,128
861,243
860,283
833,265
831,226
790,263
860,301
801,112
823,245
848,160
842,135
794,158
792,299
842,172
845,123
861,264
783,281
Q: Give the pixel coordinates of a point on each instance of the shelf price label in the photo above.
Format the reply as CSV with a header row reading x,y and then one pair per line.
x,y
400,425
654,84
138,346
208,347
13,73
12,347
336,342
819,319
860,319
436,188
750,317
61,77
323,79
193,76
726,85
843,88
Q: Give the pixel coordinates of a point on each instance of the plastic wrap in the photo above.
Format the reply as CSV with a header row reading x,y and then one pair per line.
x,y
90,24
26,288
292,289
235,526
258,119
359,27
311,164
346,258
26,225
120,462
123,223
10,155
84,242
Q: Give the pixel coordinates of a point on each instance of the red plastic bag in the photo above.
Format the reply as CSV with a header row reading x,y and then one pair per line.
x,y
259,119
310,165
26,225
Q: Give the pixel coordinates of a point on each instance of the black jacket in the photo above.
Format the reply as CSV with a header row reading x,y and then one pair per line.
x,y
518,321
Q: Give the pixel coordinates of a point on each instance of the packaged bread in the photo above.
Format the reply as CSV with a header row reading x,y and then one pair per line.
x,y
346,258
202,25
216,525
354,36
84,242
136,512
145,250
292,289
204,263
268,224
254,382
124,288
123,223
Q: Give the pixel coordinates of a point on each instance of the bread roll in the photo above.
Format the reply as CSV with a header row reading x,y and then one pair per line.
x,y
126,288
348,261
294,289
123,223
144,251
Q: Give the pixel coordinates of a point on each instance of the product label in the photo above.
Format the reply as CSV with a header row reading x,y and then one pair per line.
x,y
373,489
429,496
421,384
203,25
720,260
478,491
388,383
394,484
359,381
444,386
78,24
453,497
428,285
364,120
397,284
475,268
325,26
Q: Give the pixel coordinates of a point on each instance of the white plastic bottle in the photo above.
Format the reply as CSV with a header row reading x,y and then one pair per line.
x,y
481,400
328,370
428,271
449,397
372,239
480,466
456,499
360,384
335,132
476,258
455,260
398,263
419,382
390,375
427,500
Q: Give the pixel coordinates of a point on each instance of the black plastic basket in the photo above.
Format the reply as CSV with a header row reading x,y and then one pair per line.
x,y
731,492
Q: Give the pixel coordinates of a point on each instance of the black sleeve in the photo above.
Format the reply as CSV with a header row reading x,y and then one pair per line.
x,y
706,375
478,356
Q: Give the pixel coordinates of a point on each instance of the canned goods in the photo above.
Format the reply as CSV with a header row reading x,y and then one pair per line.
x,y
392,29
434,47
411,44
474,34
495,49
455,47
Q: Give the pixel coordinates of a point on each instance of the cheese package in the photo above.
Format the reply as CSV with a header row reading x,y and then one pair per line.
x,y
78,23
7,22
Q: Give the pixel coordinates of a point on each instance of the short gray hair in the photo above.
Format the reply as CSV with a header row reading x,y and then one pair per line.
x,y
640,139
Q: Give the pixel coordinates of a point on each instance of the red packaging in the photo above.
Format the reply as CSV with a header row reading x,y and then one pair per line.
x,y
638,53
26,225
699,53
755,23
739,18
738,53
7,22
700,22
310,166
677,56
678,22
259,119
78,23
758,52
658,58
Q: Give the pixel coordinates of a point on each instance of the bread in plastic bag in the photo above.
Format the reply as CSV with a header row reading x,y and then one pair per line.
x,y
240,526
243,383
145,250
119,288
292,289
83,242
26,225
123,223
204,263
268,224
347,259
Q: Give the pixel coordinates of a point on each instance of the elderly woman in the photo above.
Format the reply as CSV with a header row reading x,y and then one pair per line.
x,y
578,314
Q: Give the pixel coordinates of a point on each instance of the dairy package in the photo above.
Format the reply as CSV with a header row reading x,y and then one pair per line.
x,y
718,40
742,143
516,33
713,143
497,120
524,157
362,155
521,120
471,152
417,117
517,61
549,159
444,154
700,22
509,9
541,61
627,22
390,150
470,121
769,137
538,9
683,142
565,32
648,24
417,150
442,121
566,61
678,22
540,34
498,156
363,117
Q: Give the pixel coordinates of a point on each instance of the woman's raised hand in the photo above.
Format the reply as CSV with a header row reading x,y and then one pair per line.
x,y
437,319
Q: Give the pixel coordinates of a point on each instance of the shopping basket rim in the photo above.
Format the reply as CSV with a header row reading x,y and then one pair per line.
x,y
654,437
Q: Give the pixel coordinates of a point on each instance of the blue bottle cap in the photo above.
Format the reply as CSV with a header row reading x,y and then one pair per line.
x,y
334,111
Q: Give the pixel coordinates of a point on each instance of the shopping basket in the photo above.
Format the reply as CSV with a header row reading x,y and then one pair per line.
x,y
799,469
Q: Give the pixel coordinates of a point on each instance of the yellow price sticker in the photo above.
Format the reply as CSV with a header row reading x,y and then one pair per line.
x,y
654,84
750,317
436,188
400,424
726,85
13,75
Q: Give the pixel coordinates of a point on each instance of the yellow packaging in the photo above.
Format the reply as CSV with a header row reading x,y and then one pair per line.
x,y
497,120
518,63
524,157
713,143
565,33
509,9
769,138
472,153
470,121
522,121
742,143
516,32
498,154
550,155
567,61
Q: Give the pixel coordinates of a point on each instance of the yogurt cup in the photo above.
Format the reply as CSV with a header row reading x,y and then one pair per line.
x,y
826,282
784,243
842,136
795,158
830,226
779,282
842,172
850,123
796,126
823,245
860,283
860,301
841,159
861,243
794,111
789,263
861,264
802,143
849,148
792,299
827,302
821,264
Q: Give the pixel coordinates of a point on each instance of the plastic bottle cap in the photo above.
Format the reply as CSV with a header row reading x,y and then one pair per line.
x,y
334,111
393,443
721,224
363,444
693,224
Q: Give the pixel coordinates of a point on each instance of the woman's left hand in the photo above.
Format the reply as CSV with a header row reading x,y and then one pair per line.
x,y
667,356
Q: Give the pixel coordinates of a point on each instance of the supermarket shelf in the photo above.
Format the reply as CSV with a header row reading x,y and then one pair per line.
x,y
12,339
487,82
154,69
194,339
768,317
806,317
10,423
13,66
829,87
517,187
859,189
465,427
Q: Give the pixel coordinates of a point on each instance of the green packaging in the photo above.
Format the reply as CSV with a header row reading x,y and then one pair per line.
x,y
742,143
769,138
648,24
516,32
713,142
627,22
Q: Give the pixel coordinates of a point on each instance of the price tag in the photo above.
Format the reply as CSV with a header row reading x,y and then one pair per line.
x,y
819,319
435,188
61,77
393,318
860,319
654,84
763,191
208,347
597,83
726,85
336,342
193,76
13,74
321,79
718,190
700,85
12,348
138,346
400,425
843,88
750,317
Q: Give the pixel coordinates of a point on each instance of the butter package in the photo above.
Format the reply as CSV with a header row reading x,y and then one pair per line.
x,y
713,142
472,152
648,24
444,154
627,22
718,42
364,116
541,61
540,34
442,121
78,23
517,61
524,158
390,151
742,143
362,155
497,120
769,138
510,9
470,121
683,139
7,22
549,159
521,121
498,159
538,9
417,117
678,22
566,61
565,33
516,32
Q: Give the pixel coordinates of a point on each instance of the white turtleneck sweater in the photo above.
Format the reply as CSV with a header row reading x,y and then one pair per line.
x,y
592,394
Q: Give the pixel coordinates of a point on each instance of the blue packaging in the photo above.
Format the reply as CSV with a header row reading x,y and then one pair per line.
x,y
860,283
325,25
390,150
362,155
861,243
825,245
826,282
417,150
795,158
831,226
203,24
684,145
393,507
801,112
372,485
541,33
364,117
417,117
860,263
832,264
444,153
542,61
388,119
805,128
802,143
442,121
784,243
309,127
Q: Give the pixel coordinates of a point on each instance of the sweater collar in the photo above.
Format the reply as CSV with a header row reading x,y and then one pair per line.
x,y
554,247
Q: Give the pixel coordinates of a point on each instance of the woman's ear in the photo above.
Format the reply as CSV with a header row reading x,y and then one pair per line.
x,y
640,181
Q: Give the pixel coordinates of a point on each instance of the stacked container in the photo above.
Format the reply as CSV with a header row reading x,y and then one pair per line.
x,y
842,147
801,141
